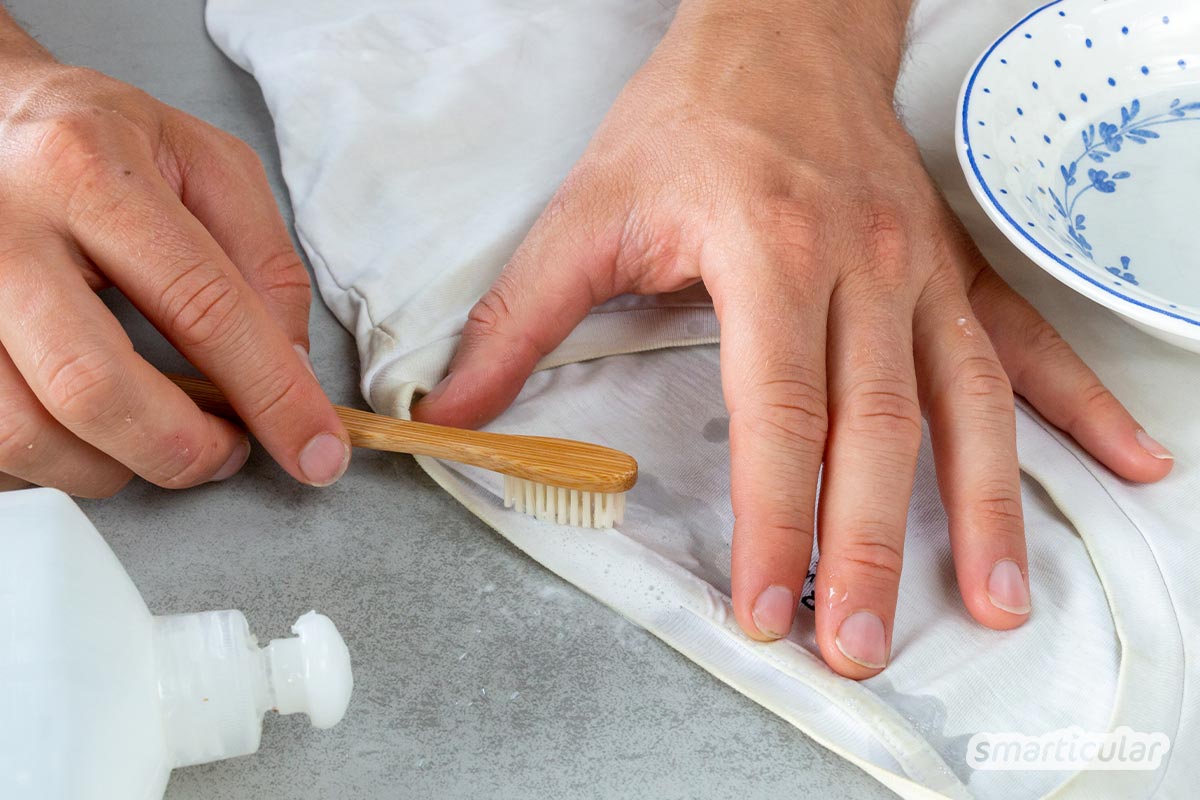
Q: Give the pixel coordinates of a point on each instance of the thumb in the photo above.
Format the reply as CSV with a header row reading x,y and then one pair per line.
x,y
554,279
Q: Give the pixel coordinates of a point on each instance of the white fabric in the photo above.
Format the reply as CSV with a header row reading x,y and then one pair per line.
x,y
421,139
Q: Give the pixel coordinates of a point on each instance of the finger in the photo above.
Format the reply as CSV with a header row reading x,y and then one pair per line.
x,y
9,483
552,282
870,463
81,367
1047,372
35,448
168,264
226,189
773,377
973,427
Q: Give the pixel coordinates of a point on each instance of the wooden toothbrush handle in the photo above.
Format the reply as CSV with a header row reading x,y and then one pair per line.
x,y
359,424
558,462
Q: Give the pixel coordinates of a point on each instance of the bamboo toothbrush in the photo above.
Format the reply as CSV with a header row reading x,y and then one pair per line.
x,y
557,480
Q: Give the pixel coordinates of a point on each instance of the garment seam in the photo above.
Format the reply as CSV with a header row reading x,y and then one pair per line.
x,y
1057,437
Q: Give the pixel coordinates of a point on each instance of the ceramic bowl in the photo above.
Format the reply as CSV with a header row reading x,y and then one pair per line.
x,y
1079,132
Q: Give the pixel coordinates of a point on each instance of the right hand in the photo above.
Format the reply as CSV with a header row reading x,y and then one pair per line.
x,y
102,184
849,297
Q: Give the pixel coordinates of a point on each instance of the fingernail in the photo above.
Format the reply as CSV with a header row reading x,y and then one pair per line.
x,y
437,391
861,639
324,459
237,459
1153,447
305,359
773,611
1006,588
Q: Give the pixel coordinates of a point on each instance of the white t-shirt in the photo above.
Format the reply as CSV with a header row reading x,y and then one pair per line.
x,y
419,142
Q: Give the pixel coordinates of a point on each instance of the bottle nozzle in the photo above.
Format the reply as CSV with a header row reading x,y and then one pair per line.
x,y
311,673
214,683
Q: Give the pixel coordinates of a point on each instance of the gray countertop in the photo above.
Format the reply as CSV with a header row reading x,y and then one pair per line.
x,y
477,672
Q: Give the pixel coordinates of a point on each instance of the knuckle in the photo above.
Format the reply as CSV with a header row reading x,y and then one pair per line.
x,y
884,407
790,409
61,154
281,274
984,287
83,387
647,255
1041,345
1042,341
1045,348
200,305
488,320
270,397
775,532
181,464
999,508
1095,397
77,161
71,140
487,317
887,240
982,378
875,551
791,222
886,232
77,146
1091,403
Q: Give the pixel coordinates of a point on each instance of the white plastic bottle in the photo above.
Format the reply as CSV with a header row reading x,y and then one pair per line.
x,y
100,700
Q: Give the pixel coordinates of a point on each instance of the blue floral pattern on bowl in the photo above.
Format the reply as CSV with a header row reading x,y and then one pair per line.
x,y
1101,142
1067,137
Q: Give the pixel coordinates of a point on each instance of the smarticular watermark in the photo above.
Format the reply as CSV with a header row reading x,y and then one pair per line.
x,y
1068,749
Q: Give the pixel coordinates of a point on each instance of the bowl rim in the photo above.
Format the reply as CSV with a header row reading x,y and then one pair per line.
x,y
1159,318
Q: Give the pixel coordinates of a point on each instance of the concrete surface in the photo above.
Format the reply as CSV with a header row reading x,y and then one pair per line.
x,y
477,672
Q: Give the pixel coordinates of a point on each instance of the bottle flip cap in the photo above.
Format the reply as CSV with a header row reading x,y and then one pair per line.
x,y
215,683
311,673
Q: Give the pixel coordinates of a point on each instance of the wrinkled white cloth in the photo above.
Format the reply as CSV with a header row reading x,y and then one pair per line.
x,y
420,140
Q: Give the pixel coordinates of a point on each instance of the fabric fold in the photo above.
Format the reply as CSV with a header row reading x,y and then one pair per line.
x,y
419,142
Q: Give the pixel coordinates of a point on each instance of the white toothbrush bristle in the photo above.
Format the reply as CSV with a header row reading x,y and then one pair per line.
x,y
564,506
